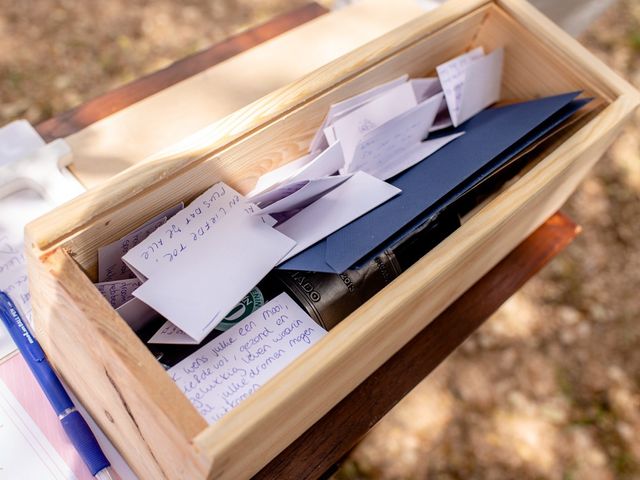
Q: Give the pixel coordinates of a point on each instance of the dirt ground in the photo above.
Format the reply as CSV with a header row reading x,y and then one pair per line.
x,y
548,388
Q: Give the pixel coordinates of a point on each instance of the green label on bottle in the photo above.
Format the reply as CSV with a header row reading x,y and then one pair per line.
x,y
249,304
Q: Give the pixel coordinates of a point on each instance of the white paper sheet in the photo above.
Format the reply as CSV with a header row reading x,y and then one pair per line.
x,y
136,313
110,264
471,82
169,334
338,109
482,85
118,292
18,139
316,166
201,217
425,88
350,129
26,452
383,149
344,204
326,163
223,373
213,272
302,197
280,174
17,210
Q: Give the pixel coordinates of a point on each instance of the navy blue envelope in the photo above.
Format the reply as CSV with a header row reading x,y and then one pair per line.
x,y
492,137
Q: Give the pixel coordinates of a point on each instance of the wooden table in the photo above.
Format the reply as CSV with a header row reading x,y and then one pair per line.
x,y
318,450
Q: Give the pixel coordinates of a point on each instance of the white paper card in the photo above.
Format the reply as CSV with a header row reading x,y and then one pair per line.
x,y
382,149
213,269
110,264
326,163
201,217
136,313
311,191
425,88
223,373
471,82
280,174
17,209
482,87
350,129
18,140
355,197
338,109
118,292
452,75
169,334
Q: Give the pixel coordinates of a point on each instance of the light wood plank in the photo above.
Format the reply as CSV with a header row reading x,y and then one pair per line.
x,y
123,387
125,138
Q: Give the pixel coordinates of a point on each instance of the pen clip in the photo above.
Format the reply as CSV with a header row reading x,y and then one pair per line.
x,y
18,329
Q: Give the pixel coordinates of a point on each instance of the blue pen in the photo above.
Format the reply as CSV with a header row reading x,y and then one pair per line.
x,y
72,422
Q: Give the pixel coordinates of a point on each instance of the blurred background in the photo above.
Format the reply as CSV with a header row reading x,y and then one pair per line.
x,y
549,387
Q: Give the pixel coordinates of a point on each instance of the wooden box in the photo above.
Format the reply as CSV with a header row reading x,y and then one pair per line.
x,y
127,391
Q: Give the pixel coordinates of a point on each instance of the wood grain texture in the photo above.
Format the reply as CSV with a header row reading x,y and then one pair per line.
x,y
78,118
318,449
157,122
112,373
266,134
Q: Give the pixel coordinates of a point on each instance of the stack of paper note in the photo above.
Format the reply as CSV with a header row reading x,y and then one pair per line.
x,y
380,164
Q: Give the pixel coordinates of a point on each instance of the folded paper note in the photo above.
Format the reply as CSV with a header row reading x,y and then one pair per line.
x,y
488,136
136,313
279,175
471,82
118,292
297,195
203,215
387,150
203,261
355,197
339,109
110,264
351,128
220,375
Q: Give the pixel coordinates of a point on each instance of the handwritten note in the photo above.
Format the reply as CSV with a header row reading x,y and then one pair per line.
x,y
299,194
319,143
381,150
203,261
223,373
471,82
200,220
17,209
110,264
351,128
118,292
